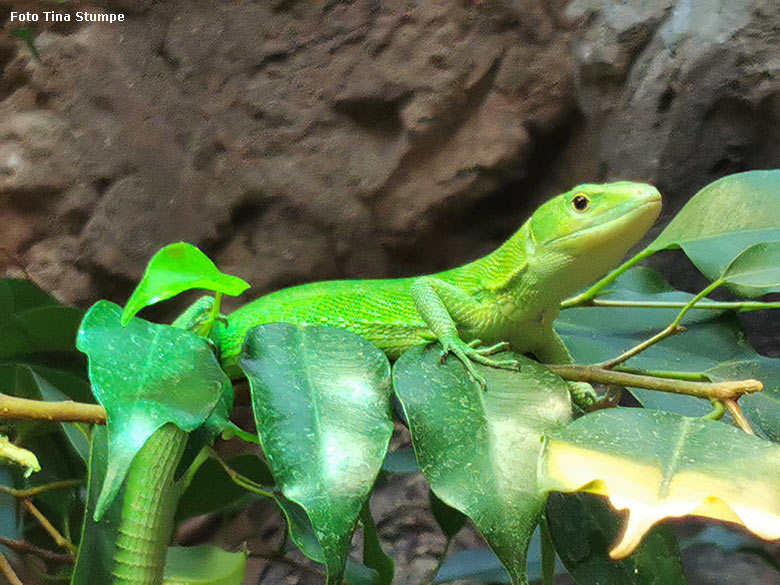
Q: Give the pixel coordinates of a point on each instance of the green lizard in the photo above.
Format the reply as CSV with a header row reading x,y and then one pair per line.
x,y
508,298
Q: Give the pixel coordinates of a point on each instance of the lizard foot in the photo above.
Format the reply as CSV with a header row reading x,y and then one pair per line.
x,y
469,353
584,396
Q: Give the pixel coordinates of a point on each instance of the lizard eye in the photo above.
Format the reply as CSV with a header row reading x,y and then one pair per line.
x,y
580,203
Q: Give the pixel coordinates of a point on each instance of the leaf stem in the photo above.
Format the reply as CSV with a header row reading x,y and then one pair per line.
x,y
729,390
590,294
241,480
672,329
25,547
7,571
675,375
60,540
34,491
736,413
711,305
12,407
718,410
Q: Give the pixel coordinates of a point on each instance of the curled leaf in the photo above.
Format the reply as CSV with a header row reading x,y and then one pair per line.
x,y
658,465
175,269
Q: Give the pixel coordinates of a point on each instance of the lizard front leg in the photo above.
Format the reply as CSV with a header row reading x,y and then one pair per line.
x,y
443,307
554,351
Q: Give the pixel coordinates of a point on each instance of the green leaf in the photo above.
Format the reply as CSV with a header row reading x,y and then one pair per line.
x,y
321,398
175,269
756,271
724,218
659,465
374,556
713,344
95,560
145,375
478,564
479,450
76,433
302,534
583,527
33,322
212,490
203,565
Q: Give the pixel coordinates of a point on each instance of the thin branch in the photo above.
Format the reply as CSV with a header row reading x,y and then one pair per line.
x,y
34,491
673,329
12,407
241,480
724,391
710,305
739,418
60,540
47,555
7,571
593,291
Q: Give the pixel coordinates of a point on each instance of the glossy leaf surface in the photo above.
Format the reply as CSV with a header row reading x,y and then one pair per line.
x,y
96,549
479,450
321,398
713,344
145,375
33,322
725,218
756,271
175,269
657,465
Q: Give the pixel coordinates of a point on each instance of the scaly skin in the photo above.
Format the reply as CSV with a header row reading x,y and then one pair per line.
x,y
511,295
149,506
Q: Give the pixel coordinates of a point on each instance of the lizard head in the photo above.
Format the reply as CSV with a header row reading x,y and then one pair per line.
x,y
593,219
587,231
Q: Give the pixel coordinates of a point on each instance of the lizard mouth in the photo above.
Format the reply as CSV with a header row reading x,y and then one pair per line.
x,y
623,225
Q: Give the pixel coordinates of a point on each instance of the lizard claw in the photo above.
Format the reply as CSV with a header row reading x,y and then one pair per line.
x,y
469,353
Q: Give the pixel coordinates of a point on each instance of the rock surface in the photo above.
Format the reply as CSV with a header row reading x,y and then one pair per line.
x,y
299,140
293,141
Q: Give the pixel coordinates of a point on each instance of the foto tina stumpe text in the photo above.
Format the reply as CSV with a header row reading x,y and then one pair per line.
x,y
53,16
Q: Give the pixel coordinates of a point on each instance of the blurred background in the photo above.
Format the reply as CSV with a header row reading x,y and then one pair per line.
x,y
313,139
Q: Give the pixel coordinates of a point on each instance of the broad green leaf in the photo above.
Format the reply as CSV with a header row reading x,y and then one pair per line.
x,y
203,565
33,322
321,398
175,269
145,375
756,271
302,534
583,526
374,556
212,490
724,218
96,548
76,433
479,450
713,344
658,465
